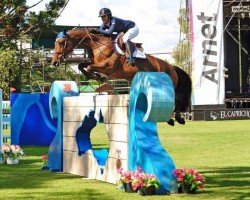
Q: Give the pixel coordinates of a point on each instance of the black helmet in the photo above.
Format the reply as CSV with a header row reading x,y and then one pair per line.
x,y
104,11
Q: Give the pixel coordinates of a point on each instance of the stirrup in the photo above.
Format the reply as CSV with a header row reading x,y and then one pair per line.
x,y
130,60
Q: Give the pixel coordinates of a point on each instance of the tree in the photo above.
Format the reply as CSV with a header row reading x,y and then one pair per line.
x,y
17,21
17,25
182,52
8,63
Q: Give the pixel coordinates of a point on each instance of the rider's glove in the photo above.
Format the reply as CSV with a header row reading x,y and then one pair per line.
x,y
94,30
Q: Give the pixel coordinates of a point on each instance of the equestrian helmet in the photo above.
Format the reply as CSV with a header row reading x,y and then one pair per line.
x,y
105,11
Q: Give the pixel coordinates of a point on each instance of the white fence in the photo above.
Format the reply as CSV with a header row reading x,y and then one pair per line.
x,y
4,119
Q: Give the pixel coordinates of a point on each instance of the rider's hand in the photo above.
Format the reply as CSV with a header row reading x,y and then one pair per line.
x,y
94,30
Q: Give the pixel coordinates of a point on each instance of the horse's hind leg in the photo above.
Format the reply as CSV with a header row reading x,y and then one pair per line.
x,y
171,122
179,118
178,109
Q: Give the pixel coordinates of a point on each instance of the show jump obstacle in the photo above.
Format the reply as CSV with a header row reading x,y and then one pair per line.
x,y
1,118
4,118
130,123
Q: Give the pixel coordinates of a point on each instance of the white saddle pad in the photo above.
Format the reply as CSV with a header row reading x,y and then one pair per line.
x,y
136,54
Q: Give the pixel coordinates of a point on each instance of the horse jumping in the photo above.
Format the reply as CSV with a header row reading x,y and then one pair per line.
x,y
106,63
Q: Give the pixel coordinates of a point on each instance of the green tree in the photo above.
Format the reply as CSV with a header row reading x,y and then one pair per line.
x,y
8,64
18,25
182,52
16,19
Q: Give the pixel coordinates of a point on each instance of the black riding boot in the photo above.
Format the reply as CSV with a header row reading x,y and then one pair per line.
x,y
129,50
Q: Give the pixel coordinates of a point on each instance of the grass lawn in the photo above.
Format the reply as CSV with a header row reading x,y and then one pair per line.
x,y
219,150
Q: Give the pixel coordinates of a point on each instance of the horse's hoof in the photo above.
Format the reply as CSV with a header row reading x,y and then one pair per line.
x,y
180,120
171,122
103,79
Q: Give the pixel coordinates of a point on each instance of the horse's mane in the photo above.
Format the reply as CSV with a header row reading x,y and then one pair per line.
x,y
89,30
80,29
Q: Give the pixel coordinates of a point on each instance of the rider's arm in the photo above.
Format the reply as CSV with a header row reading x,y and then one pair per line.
x,y
109,31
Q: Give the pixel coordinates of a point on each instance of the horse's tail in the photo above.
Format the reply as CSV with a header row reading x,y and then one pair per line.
x,y
183,90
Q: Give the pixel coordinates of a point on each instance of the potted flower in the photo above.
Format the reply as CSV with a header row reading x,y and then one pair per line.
x,y
125,180
145,183
12,153
189,180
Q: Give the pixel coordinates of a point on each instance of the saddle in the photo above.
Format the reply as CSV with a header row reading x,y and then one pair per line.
x,y
120,47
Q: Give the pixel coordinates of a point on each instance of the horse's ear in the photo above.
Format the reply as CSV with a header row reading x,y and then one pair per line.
x,y
65,31
56,32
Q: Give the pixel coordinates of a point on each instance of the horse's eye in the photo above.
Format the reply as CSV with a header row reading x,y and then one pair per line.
x,y
61,42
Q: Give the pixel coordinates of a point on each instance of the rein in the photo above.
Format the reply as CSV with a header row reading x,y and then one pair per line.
x,y
97,44
66,40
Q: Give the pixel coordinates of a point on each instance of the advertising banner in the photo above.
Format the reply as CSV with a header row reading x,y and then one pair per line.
x,y
227,114
206,28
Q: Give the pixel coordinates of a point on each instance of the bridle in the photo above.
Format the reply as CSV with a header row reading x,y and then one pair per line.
x,y
67,42
64,56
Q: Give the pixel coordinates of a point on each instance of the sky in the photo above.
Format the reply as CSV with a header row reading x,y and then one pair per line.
x,y
156,19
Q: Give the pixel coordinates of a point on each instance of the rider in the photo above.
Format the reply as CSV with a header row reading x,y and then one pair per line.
x,y
113,24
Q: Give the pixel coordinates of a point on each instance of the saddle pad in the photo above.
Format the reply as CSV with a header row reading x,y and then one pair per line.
x,y
136,54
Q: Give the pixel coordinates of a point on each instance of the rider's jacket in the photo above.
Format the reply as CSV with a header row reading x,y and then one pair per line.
x,y
116,25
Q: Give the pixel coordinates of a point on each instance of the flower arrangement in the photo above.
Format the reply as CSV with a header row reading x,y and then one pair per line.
x,y
11,151
125,177
141,179
138,181
189,179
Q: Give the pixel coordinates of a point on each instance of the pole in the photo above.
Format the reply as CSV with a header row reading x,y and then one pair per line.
x,y
240,63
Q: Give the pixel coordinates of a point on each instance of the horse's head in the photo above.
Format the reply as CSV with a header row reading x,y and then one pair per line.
x,y
66,42
63,47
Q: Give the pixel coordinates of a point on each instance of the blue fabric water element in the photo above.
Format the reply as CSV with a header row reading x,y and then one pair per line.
x,y
83,139
83,133
152,100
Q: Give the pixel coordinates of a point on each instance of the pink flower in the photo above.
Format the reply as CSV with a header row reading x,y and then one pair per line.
x,y
12,151
125,177
189,177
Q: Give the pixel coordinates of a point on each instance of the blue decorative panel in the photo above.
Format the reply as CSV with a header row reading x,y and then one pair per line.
x,y
31,123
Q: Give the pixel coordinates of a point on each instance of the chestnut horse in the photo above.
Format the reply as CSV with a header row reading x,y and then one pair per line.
x,y
106,63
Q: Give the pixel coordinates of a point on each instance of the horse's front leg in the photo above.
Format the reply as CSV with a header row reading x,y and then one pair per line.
x,y
83,68
91,70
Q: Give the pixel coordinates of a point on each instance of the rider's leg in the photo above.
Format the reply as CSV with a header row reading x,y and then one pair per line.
x,y
129,50
129,35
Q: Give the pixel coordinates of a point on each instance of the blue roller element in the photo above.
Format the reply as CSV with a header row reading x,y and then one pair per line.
x,y
152,99
58,90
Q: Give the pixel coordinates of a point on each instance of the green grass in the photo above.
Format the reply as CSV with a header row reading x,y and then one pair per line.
x,y
219,150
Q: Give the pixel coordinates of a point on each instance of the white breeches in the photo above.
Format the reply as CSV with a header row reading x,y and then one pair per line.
x,y
131,33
